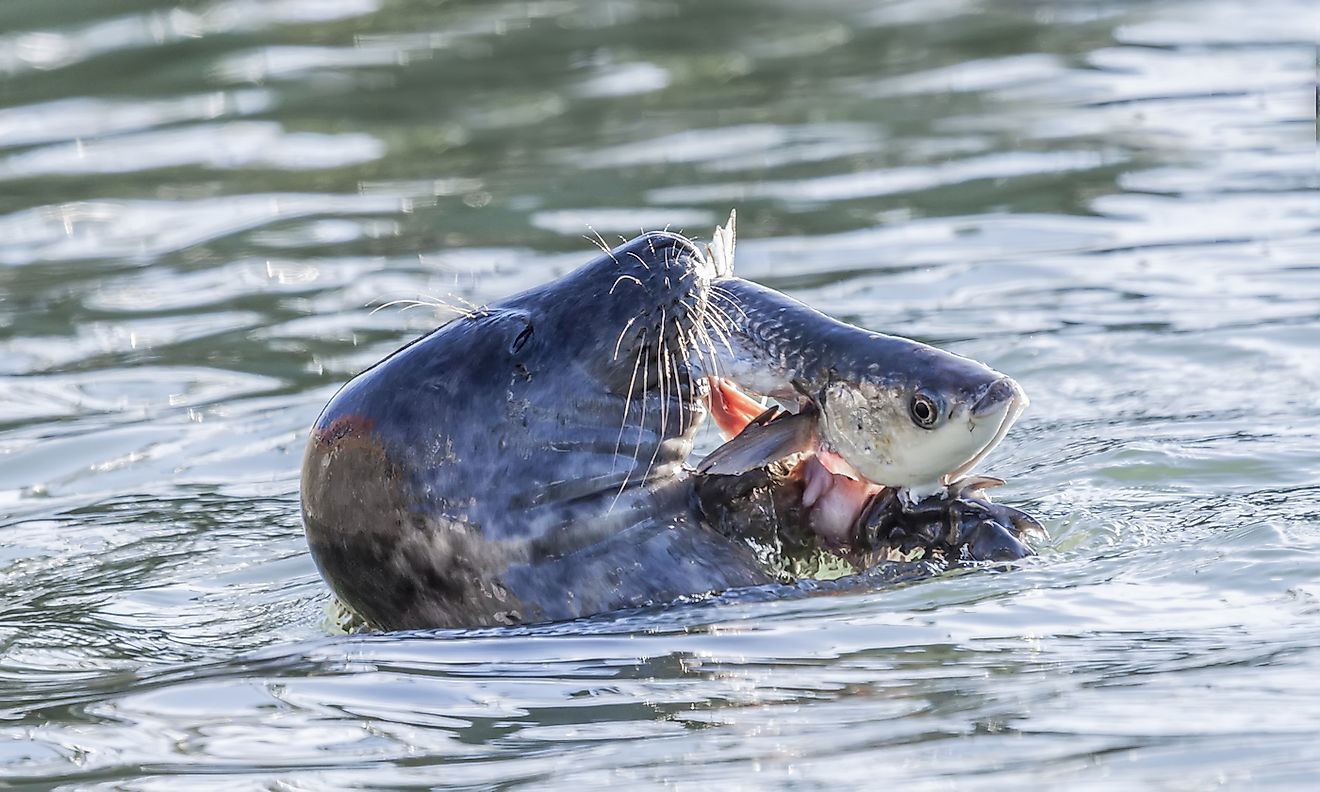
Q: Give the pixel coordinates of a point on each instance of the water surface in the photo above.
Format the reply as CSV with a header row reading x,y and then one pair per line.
x,y
1114,202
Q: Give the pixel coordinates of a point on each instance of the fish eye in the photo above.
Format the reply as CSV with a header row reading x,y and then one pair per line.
x,y
925,412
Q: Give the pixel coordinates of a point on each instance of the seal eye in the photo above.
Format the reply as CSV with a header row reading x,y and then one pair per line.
x,y
925,412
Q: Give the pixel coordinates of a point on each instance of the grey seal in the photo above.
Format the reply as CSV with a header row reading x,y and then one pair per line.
x,y
527,462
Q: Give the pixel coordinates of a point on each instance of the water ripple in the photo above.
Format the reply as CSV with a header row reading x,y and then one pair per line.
x,y
1114,203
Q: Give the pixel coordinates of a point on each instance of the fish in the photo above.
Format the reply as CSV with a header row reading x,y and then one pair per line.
x,y
866,412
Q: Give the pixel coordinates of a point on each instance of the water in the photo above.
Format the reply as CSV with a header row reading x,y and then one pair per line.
x,y
1114,202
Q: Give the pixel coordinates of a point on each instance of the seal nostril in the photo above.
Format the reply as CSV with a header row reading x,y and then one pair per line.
x,y
521,340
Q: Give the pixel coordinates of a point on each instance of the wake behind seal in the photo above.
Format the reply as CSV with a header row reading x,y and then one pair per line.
x,y
526,462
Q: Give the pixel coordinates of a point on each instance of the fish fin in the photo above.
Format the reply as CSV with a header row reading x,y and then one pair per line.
x,y
974,486
771,436
732,409
720,250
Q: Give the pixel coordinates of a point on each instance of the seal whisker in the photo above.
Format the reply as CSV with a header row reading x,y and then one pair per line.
x,y
640,362
671,376
671,362
623,278
623,333
672,366
717,291
431,301
723,331
697,340
627,406
707,348
599,241
717,337
641,423
661,383
473,306
405,303
683,366
697,332
716,313
721,324
705,351
718,318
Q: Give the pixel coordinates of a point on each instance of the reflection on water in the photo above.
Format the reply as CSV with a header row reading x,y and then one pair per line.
x,y
1115,203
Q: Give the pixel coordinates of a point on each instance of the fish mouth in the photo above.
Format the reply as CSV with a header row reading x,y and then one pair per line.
x,y
1003,390
998,392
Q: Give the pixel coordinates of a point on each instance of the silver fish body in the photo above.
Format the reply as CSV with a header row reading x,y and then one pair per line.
x,y
901,413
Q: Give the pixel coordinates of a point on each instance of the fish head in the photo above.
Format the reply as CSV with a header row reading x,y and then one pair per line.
x,y
923,419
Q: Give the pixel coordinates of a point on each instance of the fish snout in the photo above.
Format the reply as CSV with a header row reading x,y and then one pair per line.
x,y
998,395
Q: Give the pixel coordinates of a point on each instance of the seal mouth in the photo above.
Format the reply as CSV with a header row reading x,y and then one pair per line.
x,y
835,492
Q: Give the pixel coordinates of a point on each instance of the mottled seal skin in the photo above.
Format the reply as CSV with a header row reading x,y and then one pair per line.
x,y
524,463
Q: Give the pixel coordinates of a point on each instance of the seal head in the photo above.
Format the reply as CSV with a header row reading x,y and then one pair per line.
x,y
522,463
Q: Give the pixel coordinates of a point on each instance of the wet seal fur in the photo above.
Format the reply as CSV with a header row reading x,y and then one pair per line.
x,y
525,463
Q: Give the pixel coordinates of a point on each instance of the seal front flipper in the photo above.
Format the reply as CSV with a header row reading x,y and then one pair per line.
x,y
770,437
